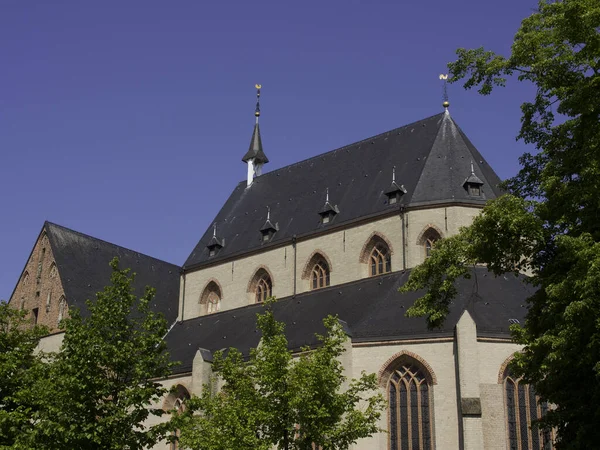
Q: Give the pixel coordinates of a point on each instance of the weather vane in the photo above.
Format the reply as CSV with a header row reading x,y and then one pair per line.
x,y
257,111
444,76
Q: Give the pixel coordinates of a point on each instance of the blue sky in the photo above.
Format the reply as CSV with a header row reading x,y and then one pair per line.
x,y
128,120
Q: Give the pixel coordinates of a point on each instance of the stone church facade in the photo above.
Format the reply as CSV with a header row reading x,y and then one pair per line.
x,y
334,234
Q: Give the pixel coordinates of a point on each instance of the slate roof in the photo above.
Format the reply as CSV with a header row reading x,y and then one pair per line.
x,y
372,308
432,159
83,267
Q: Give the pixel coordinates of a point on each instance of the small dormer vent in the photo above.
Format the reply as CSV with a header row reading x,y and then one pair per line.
x,y
473,184
328,211
216,243
269,229
395,191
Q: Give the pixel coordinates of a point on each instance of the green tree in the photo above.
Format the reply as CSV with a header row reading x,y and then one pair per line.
x,y
273,400
548,223
19,366
100,388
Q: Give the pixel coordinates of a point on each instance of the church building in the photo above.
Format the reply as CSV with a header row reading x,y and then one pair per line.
x,y
334,234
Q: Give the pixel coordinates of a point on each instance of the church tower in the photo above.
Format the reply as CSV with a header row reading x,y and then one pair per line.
x,y
255,156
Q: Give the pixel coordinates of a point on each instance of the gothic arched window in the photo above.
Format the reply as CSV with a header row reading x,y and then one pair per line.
x,y
380,260
522,410
428,240
176,403
211,298
411,412
264,288
62,309
260,287
319,276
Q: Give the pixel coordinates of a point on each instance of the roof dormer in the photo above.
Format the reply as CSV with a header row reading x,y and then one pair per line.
x,y
215,243
473,184
395,191
268,229
328,211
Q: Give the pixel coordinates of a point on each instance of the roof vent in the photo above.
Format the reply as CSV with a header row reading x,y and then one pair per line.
x,y
395,191
328,211
513,321
473,184
215,243
269,229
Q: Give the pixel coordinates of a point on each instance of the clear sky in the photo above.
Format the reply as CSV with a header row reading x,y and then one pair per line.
x,y
127,120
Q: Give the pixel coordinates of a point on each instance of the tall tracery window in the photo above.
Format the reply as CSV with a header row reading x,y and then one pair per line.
x,y
62,309
211,298
411,413
522,410
178,406
380,260
319,276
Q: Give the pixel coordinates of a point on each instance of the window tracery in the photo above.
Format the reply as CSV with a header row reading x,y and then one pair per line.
x,y
211,298
264,288
410,411
380,260
429,239
319,277
178,406
522,410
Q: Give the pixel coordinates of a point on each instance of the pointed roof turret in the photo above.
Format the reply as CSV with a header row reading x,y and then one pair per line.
x,y
395,190
255,151
215,242
472,179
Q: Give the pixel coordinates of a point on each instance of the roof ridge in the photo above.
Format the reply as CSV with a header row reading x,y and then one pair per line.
x,y
320,155
87,236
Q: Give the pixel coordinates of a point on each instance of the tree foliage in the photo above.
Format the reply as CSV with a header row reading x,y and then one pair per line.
x,y
100,388
548,223
19,365
273,400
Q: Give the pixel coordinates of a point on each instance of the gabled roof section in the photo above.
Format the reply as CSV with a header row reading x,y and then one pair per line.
x,y
83,267
372,308
431,159
256,149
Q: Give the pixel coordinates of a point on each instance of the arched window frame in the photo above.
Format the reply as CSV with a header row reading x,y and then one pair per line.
x,y
407,372
376,255
317,271
427,239
211,298
53,271
522,407
62,309
260,286
175,403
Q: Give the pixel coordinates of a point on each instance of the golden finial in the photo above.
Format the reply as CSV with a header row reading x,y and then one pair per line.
x,y
257,110
446,103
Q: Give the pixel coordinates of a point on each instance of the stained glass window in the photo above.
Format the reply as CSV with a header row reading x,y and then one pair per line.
x,y
264,288
522,410
320,275
380,260
410,420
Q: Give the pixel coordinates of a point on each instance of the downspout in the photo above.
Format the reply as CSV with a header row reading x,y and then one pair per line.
x,y
294,239
183,295
404,225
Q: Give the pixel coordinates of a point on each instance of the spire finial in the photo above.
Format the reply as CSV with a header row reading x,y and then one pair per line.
x,y
257,110
268,213
215,229
446,103
393,174
327,194
472,169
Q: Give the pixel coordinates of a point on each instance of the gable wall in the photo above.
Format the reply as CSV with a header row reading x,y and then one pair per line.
x,y
343,249
36,288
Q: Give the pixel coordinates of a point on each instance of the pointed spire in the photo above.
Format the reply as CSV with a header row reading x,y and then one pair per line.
x,y
255,151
